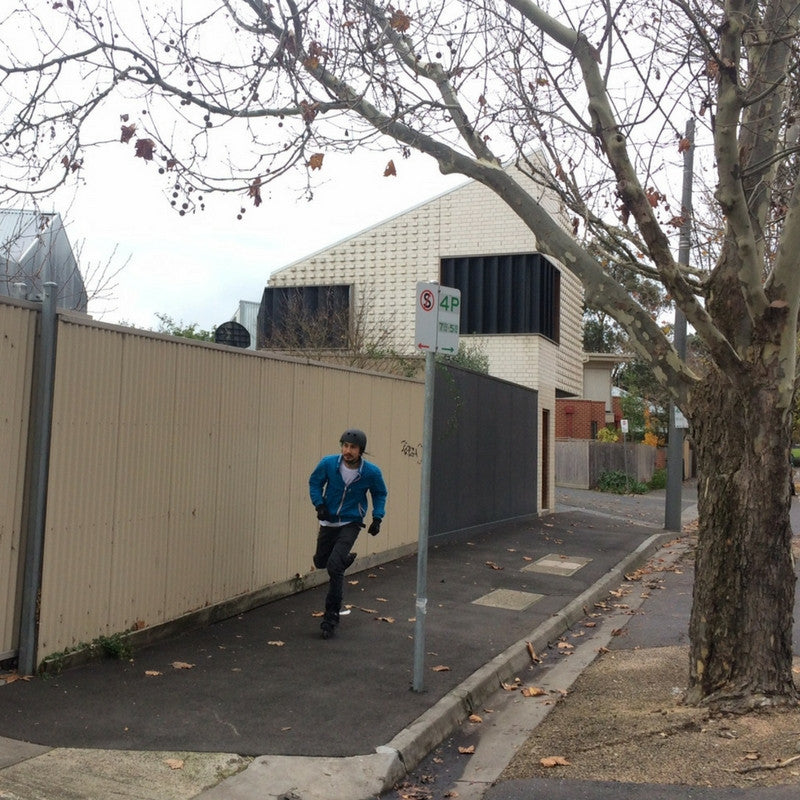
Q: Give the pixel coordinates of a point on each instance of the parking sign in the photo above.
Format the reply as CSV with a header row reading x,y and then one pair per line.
x,y
437,318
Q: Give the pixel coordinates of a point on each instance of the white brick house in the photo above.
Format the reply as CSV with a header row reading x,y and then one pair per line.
x,y
383,264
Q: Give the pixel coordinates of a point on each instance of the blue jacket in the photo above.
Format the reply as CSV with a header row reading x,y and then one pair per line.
x,y
347,503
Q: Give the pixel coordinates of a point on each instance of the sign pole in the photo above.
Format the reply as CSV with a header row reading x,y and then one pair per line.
x,y
421,605
437,323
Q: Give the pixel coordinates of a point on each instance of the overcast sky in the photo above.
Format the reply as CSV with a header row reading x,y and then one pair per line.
x,y
196,268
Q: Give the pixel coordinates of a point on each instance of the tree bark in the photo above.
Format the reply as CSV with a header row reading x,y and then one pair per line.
x,y
741,621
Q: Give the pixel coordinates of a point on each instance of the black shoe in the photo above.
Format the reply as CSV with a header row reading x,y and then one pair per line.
x,y
327,629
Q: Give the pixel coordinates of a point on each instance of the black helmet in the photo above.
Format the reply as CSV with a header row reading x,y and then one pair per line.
x,y
356,437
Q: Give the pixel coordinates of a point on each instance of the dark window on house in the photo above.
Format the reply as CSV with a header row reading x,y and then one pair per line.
x,y
304,317
517,293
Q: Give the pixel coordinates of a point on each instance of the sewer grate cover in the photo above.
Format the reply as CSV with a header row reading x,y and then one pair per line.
x,y
509,599
555,564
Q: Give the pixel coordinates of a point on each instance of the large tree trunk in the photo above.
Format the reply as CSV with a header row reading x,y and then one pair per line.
x,y
741,621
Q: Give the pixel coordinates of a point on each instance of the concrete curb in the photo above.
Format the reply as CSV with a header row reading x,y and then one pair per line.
x,y
414,743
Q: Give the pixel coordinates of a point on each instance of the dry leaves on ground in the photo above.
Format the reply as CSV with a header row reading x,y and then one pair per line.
x,y
624,721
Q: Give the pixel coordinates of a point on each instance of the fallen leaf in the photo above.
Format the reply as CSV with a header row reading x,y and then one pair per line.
x,y
152,673
385,619
467,751
533,691
532,653
475,718
287,728
492,565
369,610
390,170
527,558
15,677
381,599
565,646
182,665
589,624
174,763
277,643
440,668
353,583
317,613
554,761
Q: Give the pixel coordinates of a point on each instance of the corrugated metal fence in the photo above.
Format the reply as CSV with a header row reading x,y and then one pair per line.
x,y
178,475
484,455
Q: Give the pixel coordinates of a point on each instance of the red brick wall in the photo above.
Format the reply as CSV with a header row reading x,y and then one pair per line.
x,y
574,418
616,407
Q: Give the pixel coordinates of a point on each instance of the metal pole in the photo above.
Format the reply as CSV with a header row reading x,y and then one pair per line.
x,y
421,605
42,425
672,509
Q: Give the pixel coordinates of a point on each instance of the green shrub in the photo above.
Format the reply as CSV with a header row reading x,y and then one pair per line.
x,y
618,482
115,646
659,479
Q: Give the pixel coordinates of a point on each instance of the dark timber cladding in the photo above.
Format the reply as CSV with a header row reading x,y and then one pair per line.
x,y
514,293
485,446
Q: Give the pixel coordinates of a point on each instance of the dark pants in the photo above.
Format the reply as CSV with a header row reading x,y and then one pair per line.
x,y
333,547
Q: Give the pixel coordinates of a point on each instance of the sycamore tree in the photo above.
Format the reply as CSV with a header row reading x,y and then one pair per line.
x,y
589,100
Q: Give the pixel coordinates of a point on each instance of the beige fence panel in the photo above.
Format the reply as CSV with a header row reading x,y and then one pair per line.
x,y
274,479
83,479
236,470
196,441
17,332
403,472
179,476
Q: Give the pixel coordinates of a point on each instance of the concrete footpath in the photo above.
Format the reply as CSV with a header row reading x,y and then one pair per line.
x,y
259,706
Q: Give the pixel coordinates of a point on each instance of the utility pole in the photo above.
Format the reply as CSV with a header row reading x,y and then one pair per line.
x,y
672,511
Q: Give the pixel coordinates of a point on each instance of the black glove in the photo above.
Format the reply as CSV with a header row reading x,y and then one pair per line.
x,y
322,513
375,528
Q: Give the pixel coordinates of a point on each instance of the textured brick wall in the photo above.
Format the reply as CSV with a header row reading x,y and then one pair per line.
x,y
574,418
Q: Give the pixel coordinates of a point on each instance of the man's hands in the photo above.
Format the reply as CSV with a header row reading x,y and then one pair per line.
x,y
323,515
